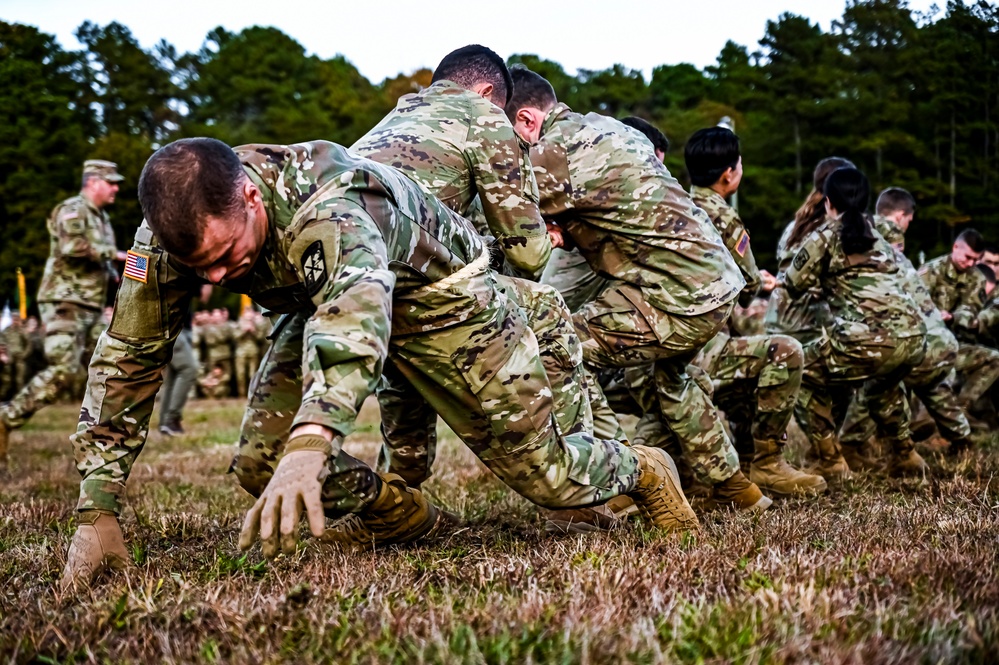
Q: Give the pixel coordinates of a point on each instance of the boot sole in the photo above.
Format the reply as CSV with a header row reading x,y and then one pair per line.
x,y
814,490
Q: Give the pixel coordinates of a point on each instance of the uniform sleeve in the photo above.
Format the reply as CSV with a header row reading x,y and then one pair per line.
x,y
125,373
943,297
737,240
971,303
806,267
81,234
508,191
344,265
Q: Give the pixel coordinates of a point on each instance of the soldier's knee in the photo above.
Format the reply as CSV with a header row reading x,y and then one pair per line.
x,y
786,350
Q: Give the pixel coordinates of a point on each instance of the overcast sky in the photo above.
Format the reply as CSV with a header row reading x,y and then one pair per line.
x,y
385,38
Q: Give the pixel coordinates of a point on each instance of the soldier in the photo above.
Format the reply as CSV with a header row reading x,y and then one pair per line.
x,y
931,381
218,340
16,347
958,291
990,257
366,266
72,293
877,335
454,139
758,377
674,282
247,340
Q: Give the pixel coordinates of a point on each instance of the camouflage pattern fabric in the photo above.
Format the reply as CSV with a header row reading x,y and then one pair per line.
x,y
368,263
81,250
247,353
734,234
960,293
877,333
801,316
13,373
675,281
458,145
568,271
977,369
67,329
932,380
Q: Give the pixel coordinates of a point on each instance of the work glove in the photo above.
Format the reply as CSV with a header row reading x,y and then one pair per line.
x,y
97,545
297,482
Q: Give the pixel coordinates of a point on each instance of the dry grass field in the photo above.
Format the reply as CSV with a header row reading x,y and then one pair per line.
x,y
878,572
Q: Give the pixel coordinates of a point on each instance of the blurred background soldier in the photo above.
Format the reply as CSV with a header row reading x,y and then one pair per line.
x,y
247,338
15,343
72,292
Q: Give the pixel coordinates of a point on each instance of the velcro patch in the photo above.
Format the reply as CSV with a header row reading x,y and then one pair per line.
x,y
743,244
801,258
137,266
314,268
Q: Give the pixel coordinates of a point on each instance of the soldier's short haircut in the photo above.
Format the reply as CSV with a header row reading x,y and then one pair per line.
x,y
659,140
185,182
973,239
530,90
987,272
990,248
474,64
895,199
709,153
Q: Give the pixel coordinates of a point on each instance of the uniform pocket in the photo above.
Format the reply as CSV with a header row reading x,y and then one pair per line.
x,y
139,312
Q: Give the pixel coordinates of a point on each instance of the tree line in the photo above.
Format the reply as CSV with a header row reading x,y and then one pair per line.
x,y
911,98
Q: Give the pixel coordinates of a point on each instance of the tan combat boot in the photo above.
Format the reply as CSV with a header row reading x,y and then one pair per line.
x,y
400,514
741,494
831,465
858,459
657,493
771,472
580,520
906,462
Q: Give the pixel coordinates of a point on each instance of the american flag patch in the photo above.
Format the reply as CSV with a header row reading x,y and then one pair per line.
x,y
137,266
743,244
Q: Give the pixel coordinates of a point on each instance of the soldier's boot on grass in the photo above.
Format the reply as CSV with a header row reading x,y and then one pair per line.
x,y
905,462
581,520
960,445
740,493
97,545
858,459
398,515
657,493
831,464
773,475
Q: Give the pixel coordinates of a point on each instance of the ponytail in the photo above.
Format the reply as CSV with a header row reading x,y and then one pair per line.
x,y
813,210
849,193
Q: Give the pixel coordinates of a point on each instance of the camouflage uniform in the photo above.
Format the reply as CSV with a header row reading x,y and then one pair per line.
x,y
568,271
674,281
877,334
246,336
365,266
70,297
13,373
963,295
218,339
460,147
932,380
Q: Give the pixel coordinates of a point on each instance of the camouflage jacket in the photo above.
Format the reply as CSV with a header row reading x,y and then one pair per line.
x,y
960,293
866,292
736,238
457,144
348,240
602,183
247,337
806,312
219,340
81,250
936,328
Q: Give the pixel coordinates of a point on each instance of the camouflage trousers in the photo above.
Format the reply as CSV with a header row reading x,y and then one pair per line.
x,y
931,381
67,332
482,373
977,369
12,375
246,365
834,368
573,277
409,423
620,329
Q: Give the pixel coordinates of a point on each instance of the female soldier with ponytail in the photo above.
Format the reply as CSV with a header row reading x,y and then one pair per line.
x,y
876,333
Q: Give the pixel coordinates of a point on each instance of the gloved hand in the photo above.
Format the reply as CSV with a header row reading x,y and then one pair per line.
x,y
97,544
297,482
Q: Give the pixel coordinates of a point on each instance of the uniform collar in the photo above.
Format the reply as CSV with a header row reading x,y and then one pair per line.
x,y
90,204
696,191
554,115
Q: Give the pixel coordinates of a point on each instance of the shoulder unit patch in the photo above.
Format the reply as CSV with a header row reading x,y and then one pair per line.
x,y
314,268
